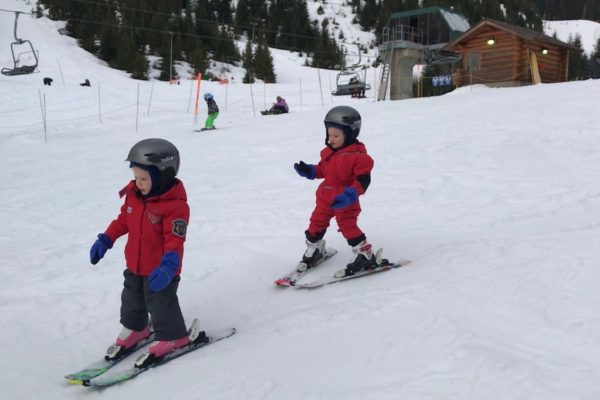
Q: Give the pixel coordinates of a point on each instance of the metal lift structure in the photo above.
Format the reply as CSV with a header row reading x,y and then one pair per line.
x,y
20,69
352,80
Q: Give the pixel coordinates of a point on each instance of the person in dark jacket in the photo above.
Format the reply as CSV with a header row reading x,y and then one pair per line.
x,y
213,112
345,167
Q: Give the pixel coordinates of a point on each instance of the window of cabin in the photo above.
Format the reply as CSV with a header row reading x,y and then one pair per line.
x,y
473,61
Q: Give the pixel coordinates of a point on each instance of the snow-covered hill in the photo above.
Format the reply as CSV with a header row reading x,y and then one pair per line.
x,y
568,30
492,193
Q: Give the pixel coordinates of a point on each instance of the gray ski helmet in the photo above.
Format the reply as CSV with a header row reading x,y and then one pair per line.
x,y
347,118
159,153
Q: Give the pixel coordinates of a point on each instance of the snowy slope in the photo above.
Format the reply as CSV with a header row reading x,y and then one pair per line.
x,y
492,193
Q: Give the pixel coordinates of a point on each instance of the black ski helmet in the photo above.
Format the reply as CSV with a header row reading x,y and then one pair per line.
x,y
156,153
346,118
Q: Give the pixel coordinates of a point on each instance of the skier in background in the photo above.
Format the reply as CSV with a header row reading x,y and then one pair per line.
x,y
155,216
213,112
345,167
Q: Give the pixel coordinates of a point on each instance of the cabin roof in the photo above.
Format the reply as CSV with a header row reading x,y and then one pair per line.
x,y
455,21
523,33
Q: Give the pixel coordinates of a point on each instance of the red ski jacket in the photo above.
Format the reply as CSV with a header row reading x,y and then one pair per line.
x,y
341,168
156,225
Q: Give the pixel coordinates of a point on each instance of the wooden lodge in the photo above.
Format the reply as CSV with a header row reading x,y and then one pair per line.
x,y
496,53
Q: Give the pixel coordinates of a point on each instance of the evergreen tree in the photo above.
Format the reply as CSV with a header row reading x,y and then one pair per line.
x,y
248,62
223,10
596,53
578,63
109,44
326,53
367,15
199,58
569,9
263,64
225,48
248,56
166,67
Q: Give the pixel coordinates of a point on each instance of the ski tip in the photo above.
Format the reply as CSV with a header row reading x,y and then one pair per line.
x,y
75,381
283,283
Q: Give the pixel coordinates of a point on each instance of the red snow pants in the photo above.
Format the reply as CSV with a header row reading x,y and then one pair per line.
x,y
346,218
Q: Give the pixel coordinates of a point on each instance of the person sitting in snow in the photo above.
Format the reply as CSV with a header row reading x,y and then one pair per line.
x,y
155,217
345,167
279,107
213,112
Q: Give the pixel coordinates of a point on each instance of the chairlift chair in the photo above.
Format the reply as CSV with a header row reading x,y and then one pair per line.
x,y
351,79
23,69
348,82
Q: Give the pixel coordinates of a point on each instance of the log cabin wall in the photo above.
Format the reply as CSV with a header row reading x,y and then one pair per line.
x,y
503,63
508,61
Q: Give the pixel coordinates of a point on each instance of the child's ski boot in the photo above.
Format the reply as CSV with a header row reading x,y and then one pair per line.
x,y
314,252
162,348
364,259
127,339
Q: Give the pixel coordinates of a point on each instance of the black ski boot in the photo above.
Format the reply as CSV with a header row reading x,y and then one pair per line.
x,y
313,253
364,260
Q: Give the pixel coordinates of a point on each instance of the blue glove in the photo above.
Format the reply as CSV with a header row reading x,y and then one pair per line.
x,y
345,199
164,273
308,171
99,248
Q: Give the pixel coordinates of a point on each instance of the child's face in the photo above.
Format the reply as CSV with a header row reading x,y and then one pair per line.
x,y
335,137
143,181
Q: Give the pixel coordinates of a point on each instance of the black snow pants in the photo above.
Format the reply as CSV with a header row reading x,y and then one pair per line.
x,y
137,301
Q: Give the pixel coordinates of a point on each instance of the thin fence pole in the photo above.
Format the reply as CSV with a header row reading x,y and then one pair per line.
x,y
137,108
45,121
320,87
99,106
375,82
61,74
330,91
252,97
150,102
190,100
226,92
43,111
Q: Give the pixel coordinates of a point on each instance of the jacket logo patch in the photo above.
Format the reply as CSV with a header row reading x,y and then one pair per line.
x,y
154,219
179,227
129,210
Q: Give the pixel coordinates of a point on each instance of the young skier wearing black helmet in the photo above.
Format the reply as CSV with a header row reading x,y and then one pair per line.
x,y
155,216
345,167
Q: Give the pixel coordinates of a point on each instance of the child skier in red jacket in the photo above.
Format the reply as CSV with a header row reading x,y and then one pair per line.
x,y
345,167
155,216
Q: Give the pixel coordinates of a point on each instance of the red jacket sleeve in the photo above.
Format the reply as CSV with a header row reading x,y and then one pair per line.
x,y
175,223
118,227
319,167
363,166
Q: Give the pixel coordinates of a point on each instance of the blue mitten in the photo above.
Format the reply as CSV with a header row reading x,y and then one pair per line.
x,y
308,171
99,248
345,199
164,273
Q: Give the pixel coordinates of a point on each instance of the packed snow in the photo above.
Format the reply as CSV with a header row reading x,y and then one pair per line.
x,y
493,194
